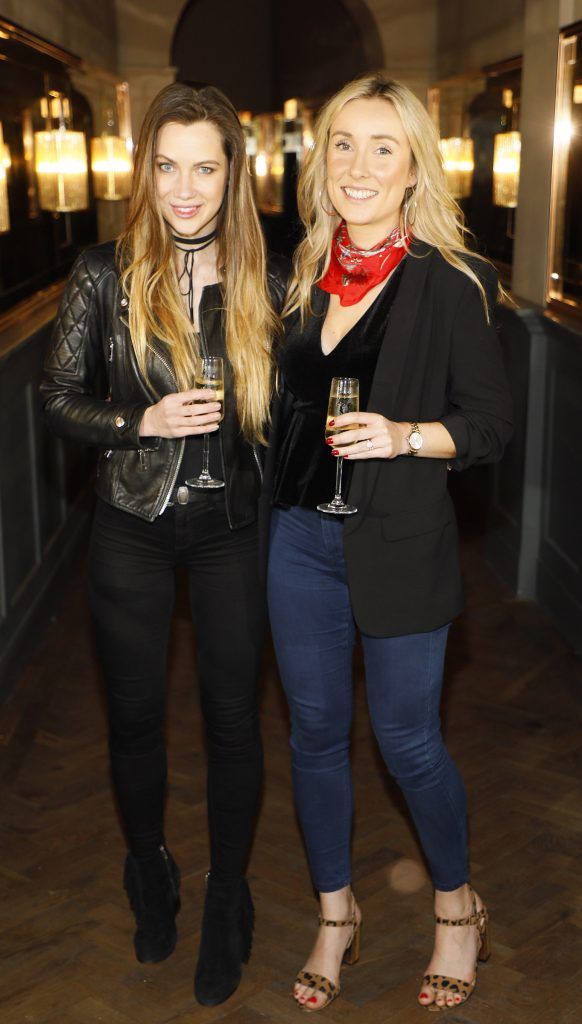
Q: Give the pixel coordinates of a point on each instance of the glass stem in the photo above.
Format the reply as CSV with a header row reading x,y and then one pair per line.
x,y
338,479
205,455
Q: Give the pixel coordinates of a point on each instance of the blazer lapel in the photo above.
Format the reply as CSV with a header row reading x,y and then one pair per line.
x,y
389,368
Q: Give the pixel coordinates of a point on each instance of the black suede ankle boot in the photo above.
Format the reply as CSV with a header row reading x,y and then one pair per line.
x,y
226,940
152,886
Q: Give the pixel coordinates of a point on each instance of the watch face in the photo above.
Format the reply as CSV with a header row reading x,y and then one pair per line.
x,y
415,440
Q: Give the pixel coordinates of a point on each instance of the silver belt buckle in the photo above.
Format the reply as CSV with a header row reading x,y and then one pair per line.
x,y
182,495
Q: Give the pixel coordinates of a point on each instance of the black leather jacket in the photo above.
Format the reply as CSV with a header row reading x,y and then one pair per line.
x,y
93,392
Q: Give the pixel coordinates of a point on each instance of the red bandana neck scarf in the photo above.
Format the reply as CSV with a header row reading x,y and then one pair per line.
x,y
352,272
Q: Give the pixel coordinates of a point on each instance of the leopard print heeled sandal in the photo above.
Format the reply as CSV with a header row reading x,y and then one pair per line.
x,y
463,989
317,982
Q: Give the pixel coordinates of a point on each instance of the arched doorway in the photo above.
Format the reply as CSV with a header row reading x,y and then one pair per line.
x,y
264,52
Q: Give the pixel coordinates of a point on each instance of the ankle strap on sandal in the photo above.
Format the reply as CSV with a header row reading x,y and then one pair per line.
x,y
336,924
340,924
478,917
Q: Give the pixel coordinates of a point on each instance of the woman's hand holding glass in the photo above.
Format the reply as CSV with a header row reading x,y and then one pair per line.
x,y
373,436
182,414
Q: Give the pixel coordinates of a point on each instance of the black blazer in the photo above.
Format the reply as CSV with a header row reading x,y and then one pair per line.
x,y
439,360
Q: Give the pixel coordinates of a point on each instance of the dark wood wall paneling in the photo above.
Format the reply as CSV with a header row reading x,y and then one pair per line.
x,y
535,534
45,498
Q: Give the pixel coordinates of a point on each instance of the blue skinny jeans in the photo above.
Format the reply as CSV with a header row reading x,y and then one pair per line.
x,y
313,633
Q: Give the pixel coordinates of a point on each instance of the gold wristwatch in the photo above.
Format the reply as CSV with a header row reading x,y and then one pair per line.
x,y
415,439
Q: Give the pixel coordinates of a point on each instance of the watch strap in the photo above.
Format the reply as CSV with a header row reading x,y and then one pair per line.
x,y
414,429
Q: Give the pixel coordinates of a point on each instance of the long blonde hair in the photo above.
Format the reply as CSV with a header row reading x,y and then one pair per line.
x,y
438,219
149,278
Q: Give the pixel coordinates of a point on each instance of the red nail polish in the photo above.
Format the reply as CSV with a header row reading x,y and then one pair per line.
x,y
346,456
423,995
312,999
331,423
334,451
329,440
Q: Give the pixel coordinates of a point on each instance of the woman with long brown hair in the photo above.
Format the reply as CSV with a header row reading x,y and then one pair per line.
x,y
385,294
187,280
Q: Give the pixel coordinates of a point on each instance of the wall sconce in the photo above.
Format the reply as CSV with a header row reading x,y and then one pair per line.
x,y
269,163
459,164
506,164
111,154
4,208
246,119
112,167
60,160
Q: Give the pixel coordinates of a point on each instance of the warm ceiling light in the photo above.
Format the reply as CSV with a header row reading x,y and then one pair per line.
x,y
290,110
4,208
261,166
60,160
61,168
506,165
577,97
111,165
458,163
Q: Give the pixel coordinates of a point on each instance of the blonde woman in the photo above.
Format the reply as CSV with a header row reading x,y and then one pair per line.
x,y
384,291
188,278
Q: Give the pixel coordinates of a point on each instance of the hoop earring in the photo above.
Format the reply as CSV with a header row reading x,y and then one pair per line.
x,y
409,202
330,213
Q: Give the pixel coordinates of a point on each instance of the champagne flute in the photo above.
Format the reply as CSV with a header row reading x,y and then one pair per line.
x,y
344,396
209,374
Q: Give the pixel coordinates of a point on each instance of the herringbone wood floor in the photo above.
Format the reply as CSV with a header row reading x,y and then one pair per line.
x,y
512,714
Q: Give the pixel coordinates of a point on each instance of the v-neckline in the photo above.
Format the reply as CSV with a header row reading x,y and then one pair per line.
x,y
327,300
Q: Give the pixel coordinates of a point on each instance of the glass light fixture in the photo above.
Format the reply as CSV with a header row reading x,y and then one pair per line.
x,y
60,160
459,164
112,151
4,208
246,119
111,165
269,164
506,165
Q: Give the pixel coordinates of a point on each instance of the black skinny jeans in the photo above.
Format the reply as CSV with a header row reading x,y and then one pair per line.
x,y
132,586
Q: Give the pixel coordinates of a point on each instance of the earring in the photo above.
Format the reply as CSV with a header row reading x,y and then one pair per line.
x,y
330,213
409,207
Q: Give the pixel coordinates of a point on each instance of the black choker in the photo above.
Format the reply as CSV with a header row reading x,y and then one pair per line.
x,y
190,246
194,244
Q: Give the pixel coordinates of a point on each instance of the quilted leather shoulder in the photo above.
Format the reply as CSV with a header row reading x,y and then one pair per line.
x,y
80,309
97,260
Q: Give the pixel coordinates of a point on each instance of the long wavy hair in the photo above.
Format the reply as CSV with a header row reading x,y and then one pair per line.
x,y
149,278
438,219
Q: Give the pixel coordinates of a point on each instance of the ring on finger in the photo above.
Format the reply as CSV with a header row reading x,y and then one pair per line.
x,y
369,444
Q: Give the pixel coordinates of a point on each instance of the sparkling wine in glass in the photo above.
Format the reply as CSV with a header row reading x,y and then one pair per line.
x,y
344,396
209,375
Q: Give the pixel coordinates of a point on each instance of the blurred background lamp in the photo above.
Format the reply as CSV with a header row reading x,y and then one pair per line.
x,y
506,164
111,165
459,164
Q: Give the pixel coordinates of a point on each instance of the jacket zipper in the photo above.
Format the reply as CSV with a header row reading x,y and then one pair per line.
x,y
181,443
258,462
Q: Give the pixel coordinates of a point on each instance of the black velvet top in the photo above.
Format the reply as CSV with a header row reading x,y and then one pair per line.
x,y
305,473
